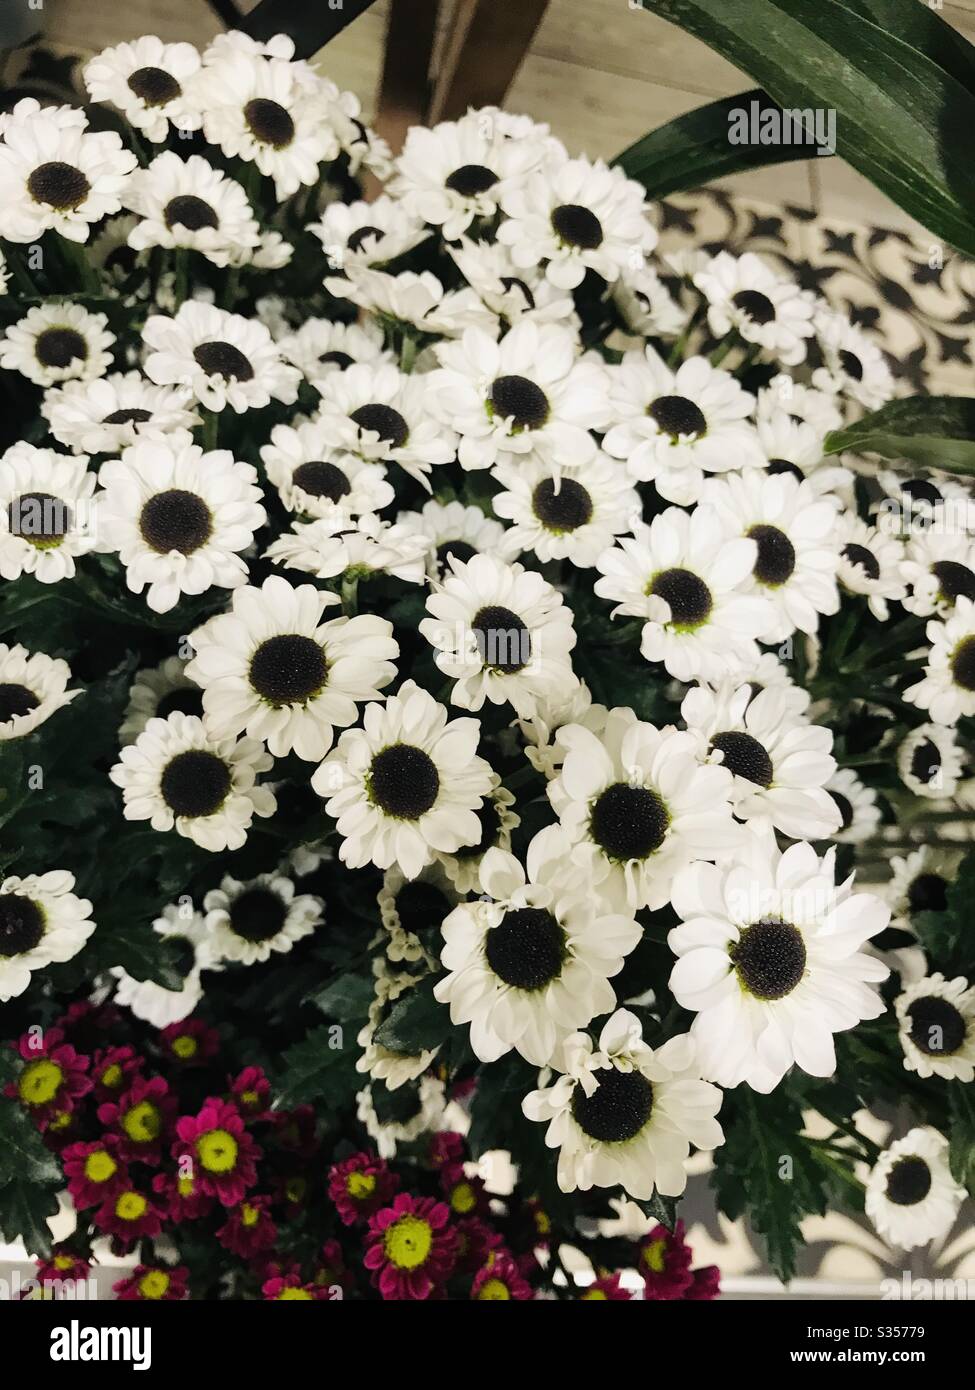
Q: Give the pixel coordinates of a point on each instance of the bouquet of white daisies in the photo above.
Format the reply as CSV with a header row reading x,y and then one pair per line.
x,y
463,658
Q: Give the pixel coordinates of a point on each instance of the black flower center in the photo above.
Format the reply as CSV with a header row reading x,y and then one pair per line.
x,y
954,580
617,1110
384,421
21,923
745,757
921,490
182,954
511,282
963,664
908,1182
770,958
754,305
361,235
403,781
336,359
154,86
845,809
565,509
223,359
420,906
269,122
851,364
937,1026
471,179
59,347
60,185
866,560
460,550
190,212
257,915
175,520
39,517
288,669
777,466
16,700
776,558
577,226
526,949
321,479
686,594
185,699
925,761
928,893
503,641
629,822
195,783
134,416
676,416
519,400
122,259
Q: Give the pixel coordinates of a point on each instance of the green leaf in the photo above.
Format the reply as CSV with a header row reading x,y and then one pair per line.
x,y
961,1134
310,25
415,1022
903,118
317,1069
24,1211
946,936
694,149
935,431
347,997
659,1208
22,1151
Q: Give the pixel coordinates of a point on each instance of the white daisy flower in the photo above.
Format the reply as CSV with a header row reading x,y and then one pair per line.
x,y
413,301
795,533
47,512
32,688
947,690
176,775
379,1062
642,798
626,1114
497,818
780,763
919,883
191,205
363,234
571,705
805,405
41,922
272,252
412,911
179,518
4,274
451,529
56,175
501,632
527,394
936,1018
384,416
871,563
407,784
938,566
457,172
646,304
929,761
687,578
577,216
511,292
771,961
120,267
675,426
533,964
181,925
273,669
223,358
912,1197
150,82
936,505
155,693
853,363
767,670
565,518
320,347
362,146
795,447
246,922
57,342
745,295
265,110
421,1111
105,416
315,481
355,548
859,812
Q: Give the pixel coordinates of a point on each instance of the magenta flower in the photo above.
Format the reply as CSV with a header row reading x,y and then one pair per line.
x,y
411,1247
360,1186
665,1263
113,1070
475,1242
142,1118
607,1289
249,1229
154,1284
181,1197
464,1196
222,1155
290,1289
189,1043
129,1215
499,1281
251,1093
706,1284
95,1172
53,1078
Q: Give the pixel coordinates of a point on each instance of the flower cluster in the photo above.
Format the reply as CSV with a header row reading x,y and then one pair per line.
x,y
471,601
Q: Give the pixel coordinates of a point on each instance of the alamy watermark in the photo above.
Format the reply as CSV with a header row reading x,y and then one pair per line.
x,y
769,125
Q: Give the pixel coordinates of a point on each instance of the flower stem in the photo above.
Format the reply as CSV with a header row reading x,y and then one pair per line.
x,y
350,594
75,259
20,273
407,354
211,424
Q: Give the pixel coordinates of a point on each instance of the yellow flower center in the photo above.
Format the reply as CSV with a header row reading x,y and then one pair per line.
x,y
112,1077
408,1242
293,1295
595,1296
185,1187
60,1121
655,1256
493,1290
463,1199
218,1151
185,1047
154,1284
295,1189
249,1097
40,1082
63,1261
100,1166
542,1224
130,1206
249,1216
143,1123
360,1185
